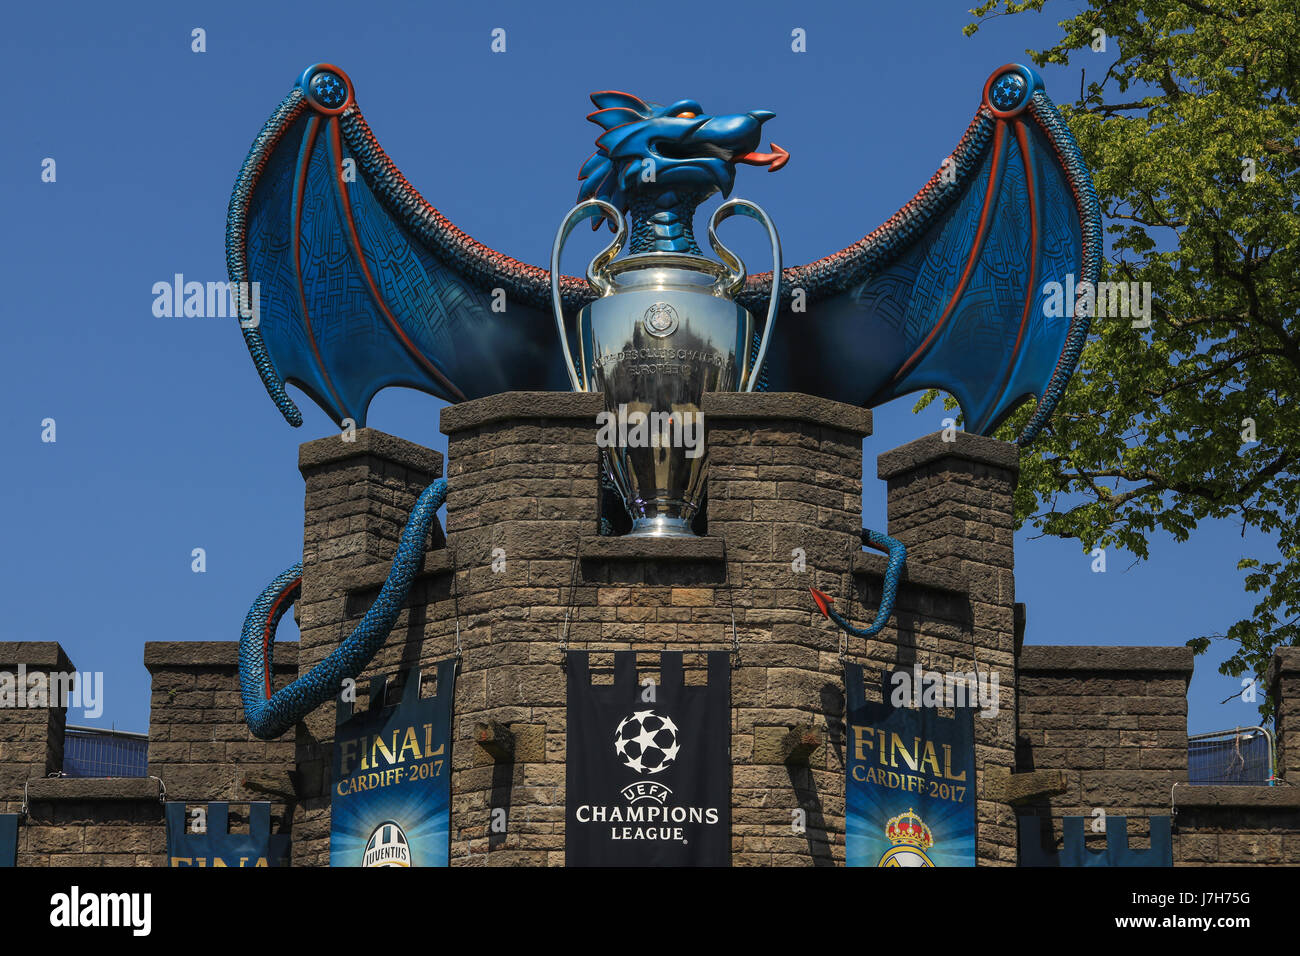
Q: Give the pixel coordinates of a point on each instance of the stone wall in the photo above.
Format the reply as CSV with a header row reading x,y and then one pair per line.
x,y
1283,681
200,750
523,493
521,575
199,744
108,821
359,494
1236,826
1113,721
31,738
1250,826
950,503
68,822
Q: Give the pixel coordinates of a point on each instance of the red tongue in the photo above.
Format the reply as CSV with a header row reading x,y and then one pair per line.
x,y
773,160
823,601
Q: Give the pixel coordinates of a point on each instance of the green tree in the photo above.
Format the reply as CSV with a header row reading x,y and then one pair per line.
x,y
1189,123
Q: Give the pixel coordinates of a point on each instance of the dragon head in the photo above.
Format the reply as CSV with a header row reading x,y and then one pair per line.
x,y
660,162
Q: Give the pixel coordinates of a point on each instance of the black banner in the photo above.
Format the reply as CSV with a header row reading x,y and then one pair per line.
x,y
8,839
649,771
216,846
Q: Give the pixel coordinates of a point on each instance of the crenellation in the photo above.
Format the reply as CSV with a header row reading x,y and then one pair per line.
x,y
783,512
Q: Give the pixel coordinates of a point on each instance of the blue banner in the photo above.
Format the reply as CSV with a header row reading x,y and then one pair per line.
x,y
391,799
216,846
1036,835
910,787
8,839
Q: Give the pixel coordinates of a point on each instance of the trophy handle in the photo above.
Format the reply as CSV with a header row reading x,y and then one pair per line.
x,y
595,270
736,268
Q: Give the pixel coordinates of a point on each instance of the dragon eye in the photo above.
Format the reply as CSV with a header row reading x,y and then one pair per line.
x,y
686,114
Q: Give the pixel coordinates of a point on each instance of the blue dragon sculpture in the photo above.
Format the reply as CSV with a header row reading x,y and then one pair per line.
x,y
365,285
893,575
270,713
692,154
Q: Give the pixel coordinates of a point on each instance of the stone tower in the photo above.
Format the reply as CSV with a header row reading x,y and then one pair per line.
x,y
521,575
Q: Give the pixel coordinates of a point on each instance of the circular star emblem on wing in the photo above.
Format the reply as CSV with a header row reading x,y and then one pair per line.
x,y
1008,90
329,89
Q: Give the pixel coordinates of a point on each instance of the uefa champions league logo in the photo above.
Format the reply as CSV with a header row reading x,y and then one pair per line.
x,y
646,741
387,846
660,319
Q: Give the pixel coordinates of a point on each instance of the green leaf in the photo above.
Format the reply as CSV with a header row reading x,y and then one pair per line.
x,y
1150,436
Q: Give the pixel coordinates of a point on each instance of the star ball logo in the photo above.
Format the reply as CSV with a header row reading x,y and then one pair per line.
x,y
647,742
387,846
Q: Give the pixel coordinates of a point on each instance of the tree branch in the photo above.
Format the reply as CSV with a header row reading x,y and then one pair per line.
x,y
1214,370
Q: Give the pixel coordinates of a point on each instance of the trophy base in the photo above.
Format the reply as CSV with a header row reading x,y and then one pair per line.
x,y
661,526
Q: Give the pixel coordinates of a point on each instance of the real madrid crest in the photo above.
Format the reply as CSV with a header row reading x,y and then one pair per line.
x,y
911,838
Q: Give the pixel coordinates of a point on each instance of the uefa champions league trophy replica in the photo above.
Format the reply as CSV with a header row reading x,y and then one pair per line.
x,y
663,330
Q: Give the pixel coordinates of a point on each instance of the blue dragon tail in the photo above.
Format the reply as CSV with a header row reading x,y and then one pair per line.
x,y
271,714
893,573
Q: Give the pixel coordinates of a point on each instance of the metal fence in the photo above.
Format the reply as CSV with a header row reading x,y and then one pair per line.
x,y
1241,756
92,752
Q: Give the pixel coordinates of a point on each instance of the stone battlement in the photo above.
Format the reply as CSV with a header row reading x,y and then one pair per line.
x,y
520,575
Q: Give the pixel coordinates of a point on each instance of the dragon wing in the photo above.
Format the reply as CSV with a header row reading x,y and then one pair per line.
x,y
957,291
361,283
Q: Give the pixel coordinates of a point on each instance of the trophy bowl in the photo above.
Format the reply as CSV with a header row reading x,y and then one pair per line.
x,y
664,331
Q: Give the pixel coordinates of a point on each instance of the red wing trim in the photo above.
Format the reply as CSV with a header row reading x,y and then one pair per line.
x,y
268,630
981,232
488,267
1031,183
336,159
299,186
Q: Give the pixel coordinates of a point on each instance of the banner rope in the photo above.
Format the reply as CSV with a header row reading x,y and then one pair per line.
x,y
570,604
455,604
851,591
731,600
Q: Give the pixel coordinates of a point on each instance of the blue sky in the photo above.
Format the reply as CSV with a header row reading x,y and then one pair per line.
x,y
166,440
